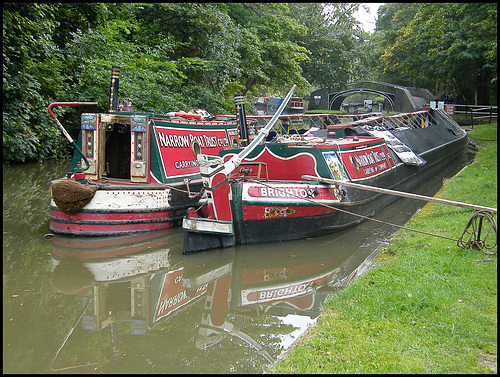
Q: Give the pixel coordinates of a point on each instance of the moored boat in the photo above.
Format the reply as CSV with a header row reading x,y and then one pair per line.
x,y
281,191
134,171
272,103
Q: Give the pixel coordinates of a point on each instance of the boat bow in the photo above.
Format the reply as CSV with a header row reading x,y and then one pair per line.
x,y
211,225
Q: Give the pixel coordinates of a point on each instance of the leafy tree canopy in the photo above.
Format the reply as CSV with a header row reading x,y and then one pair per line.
x,y
177,56
449,48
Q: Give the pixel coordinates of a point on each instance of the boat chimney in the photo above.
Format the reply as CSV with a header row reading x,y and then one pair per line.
x,y
113,97
239,101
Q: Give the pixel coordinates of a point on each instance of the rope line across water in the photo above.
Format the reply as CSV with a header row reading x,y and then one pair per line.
x,y
476,243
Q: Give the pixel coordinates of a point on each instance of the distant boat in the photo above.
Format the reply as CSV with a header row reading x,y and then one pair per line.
x,y
272,103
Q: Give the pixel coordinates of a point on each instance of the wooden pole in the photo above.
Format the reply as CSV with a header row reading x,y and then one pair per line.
x,y
398,193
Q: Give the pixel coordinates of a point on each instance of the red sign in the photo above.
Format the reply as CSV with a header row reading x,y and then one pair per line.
x,y
366,163
174,145
284,191
449,109
173,295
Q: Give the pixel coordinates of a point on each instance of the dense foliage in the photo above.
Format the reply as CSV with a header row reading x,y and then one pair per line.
x,y
177,56
447,48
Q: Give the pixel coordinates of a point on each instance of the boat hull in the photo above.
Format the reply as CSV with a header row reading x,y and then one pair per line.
x,y
126,209
282,216
143,170
310,220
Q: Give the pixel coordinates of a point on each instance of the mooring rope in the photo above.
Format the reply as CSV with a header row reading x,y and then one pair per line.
x,y
190,193
64,342
476,242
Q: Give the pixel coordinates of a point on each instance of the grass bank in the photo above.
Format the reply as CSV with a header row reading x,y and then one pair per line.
x,y
431,309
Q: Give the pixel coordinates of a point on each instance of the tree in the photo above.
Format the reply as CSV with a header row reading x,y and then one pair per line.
x,y
447,47
335,41
269,53
31,75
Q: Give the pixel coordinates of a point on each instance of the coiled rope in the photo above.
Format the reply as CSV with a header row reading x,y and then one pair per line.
x,y
474,229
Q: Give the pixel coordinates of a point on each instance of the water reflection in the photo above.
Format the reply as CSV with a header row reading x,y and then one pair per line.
x,y
229,300
135,304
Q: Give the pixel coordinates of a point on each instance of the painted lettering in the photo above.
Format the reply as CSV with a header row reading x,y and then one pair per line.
x,y
210,141
185,164
172,301
369,158
282,292
287,192
185,141
164,142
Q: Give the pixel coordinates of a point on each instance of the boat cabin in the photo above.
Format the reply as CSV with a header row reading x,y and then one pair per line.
x,y
148,148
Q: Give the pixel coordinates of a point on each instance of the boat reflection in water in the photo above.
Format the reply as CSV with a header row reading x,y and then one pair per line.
x,y
227,310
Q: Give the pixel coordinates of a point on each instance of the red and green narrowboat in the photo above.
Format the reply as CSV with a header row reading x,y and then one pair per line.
x,y
134,171
292,188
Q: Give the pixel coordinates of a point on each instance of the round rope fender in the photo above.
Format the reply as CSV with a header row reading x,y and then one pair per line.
x,y
71,196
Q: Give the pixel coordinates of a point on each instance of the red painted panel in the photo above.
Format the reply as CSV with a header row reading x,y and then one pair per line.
x,y
294,192
90,216
222,205
367,163
263,212
174,145
173,295
290,168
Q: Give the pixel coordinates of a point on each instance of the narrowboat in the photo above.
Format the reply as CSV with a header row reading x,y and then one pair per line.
x,y
292,188
295,103
134,171
272,103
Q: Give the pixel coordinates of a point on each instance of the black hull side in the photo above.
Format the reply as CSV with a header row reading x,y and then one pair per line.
x,y
403,178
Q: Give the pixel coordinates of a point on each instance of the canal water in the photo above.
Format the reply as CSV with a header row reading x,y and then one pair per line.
x,y
135,304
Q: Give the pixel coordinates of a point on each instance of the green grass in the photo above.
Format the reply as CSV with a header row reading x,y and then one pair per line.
x,y
431,309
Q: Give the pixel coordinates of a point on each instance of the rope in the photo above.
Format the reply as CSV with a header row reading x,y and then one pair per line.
x,y
474,234
213,161
376,220
64,342
191,195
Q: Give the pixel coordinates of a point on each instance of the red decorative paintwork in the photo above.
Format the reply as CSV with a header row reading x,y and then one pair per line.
x,y
173,296
221,192
367,162
294,192
281,168
174,144
262,212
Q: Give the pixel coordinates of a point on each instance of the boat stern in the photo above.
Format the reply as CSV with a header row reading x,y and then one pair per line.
x,y
205,233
